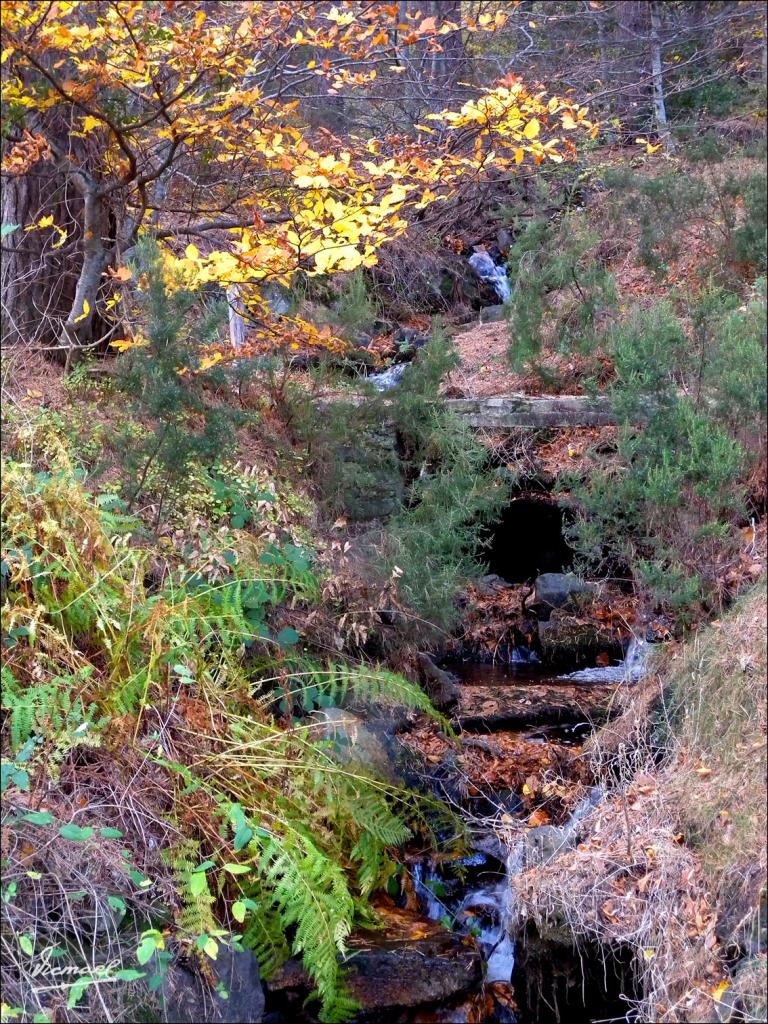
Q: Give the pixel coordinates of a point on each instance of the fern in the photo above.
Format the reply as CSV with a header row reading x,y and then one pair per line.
x,y
263,932
313,900
49,709
195,916
368,685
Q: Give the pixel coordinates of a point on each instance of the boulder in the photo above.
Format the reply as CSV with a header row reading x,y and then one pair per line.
x,y
412,963
442,687
353,742
555,589
491,584
188,997
543,843
493,314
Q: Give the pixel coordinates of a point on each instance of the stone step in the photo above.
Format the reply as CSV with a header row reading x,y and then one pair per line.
x,y
516,706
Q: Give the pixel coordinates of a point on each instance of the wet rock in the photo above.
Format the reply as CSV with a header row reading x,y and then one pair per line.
x,y
493,314
390,975
408,341
353,741
543,843
189,998
491,845
518,705
442,687
553,974
555,589
492,584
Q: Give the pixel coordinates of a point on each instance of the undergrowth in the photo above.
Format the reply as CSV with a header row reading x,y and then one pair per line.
x,y
671,503
193,680
405,459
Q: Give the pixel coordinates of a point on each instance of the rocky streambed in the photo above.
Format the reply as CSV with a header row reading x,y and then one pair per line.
x,y
453,947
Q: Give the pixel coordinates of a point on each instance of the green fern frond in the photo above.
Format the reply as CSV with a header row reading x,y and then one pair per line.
x,y
313,900
195,915
375,684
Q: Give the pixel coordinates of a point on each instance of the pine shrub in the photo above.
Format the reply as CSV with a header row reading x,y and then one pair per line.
x,y
671,502
556,276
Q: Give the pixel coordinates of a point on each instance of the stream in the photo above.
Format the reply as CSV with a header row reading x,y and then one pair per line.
x,y
482,904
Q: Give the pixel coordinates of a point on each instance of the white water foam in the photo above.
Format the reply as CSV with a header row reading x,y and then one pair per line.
x,y
487,270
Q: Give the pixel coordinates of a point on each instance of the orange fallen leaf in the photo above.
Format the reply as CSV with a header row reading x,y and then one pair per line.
x,y
539,817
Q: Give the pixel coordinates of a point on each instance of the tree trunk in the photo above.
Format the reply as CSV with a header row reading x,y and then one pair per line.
x,y
79,329
20,250
236,321
37,284
659,106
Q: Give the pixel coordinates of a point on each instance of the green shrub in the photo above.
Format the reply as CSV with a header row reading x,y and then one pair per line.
x,y
355,306
403,457
673,208
434,542
556,277
160,382
670,503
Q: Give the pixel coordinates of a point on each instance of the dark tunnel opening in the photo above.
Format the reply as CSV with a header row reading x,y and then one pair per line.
x,y
528,540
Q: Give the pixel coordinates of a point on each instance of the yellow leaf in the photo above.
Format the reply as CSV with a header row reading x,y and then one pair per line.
x,y
192,252
89,123
62,238
44,222
122,274
84,314
208,361
123,344
720,991
532,129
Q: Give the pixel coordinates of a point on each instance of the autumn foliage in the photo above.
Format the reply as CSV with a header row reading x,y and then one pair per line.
x,y
187,121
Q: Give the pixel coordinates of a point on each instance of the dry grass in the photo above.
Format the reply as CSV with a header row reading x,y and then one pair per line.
x,y
672,860
718,690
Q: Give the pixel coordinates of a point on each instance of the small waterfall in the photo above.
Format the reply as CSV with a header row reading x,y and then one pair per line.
x,y
629,671
388,379
488,911
425,880
487,270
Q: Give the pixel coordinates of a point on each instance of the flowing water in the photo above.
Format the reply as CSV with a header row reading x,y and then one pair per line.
x,y
389,378
525,669
486,908
483,904
496,276
628,671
